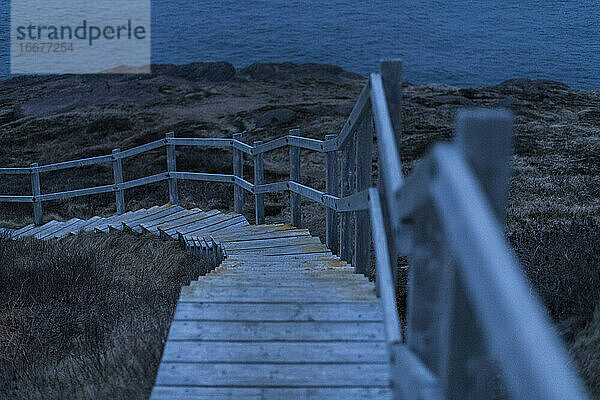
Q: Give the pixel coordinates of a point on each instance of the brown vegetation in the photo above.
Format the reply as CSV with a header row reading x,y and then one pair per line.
x,y
87,317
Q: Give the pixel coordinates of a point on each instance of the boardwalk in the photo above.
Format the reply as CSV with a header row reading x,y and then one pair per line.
x,y
281,317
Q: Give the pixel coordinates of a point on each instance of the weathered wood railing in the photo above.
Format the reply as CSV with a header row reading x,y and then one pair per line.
x,y
354,181
469,309
468,301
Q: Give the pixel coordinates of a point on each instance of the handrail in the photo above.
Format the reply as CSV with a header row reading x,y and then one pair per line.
x,y
467,297
517,331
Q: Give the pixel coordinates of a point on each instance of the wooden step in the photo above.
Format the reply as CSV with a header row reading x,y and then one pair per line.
x,y
275,352
326,311
269,393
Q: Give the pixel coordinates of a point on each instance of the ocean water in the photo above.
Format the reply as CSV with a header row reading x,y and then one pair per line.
x,y
458,42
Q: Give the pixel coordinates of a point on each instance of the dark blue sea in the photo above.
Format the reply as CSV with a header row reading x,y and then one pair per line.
x,y
457,42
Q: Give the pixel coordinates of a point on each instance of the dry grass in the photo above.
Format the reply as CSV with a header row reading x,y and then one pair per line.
x,y
87,317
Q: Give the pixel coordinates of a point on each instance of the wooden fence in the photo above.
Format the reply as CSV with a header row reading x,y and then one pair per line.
x,y
469,304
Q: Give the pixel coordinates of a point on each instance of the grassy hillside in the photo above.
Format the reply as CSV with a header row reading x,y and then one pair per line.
x,y
87,317
554,204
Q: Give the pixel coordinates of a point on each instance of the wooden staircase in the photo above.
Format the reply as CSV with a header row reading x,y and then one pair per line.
x,y
280,318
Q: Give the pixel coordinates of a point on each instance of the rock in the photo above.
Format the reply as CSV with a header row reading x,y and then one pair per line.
x,y
433,101
531,86
290,71
195,96
509,101
199,71
318,109
589,115
274,117
8,114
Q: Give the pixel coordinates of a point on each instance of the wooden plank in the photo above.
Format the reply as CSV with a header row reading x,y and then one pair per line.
x,y
348,182
270,295
146,180
311,393
118,225
36,193
305,143
149,218
66,225
274,268
238,171
204,393
390,167
170,229
118,179
104,226
385,281
201,142
142,148
331,188
103,221
24,229
391,76
243,235
35,229
17,199
95,219
240,223
223,221
364,166
77,193
357,113
275,352
267,243
284,250
259,179
295,284
295,199
172,167
349,311
75,163
273,375
44,228
176,218
211,220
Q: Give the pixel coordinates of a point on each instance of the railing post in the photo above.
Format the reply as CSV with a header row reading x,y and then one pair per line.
x,y
238,170
118,179
391,77
484,136
172,167
259,179
348,187
36,192
332,188
295,199
364,165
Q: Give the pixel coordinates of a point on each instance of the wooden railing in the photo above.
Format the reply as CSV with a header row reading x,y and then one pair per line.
x,y
469,304
470,313
354,181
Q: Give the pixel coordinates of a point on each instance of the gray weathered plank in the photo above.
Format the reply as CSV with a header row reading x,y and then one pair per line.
x,y
273,375
269,295
300,393
275,352
349,311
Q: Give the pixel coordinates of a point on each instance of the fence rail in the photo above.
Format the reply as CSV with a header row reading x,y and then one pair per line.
x,y
468,301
